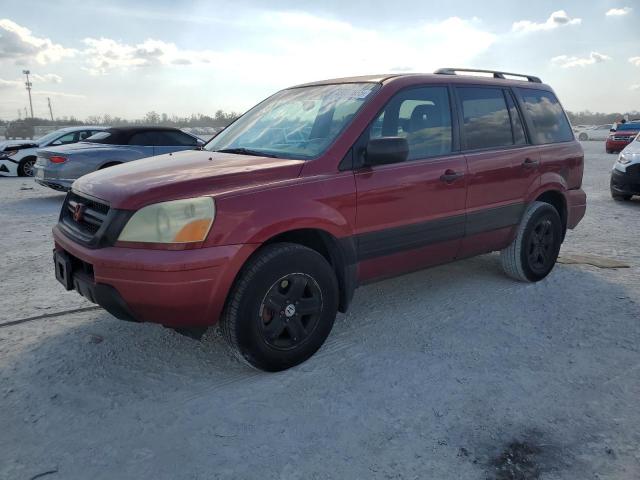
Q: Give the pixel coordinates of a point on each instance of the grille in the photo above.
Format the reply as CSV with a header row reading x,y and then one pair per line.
x,y
85,225
634,170
623,138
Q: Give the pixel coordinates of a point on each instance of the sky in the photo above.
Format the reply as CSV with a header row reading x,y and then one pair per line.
x,y
182,57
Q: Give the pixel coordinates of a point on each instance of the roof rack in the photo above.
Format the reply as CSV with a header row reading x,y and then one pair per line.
x,y
496,74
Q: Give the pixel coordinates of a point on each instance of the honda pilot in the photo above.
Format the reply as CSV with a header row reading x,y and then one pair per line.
x,y
320,188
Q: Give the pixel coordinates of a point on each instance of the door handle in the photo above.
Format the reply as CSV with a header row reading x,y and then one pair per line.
x,y
530,163
450,176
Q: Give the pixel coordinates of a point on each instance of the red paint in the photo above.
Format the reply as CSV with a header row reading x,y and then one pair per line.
x,y
258,198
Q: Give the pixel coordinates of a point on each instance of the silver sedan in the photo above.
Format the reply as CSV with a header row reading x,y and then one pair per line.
x,y
59,167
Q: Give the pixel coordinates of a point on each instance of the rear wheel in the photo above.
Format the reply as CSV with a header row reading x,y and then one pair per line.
x,y
583,137
282,307
533,253
25,167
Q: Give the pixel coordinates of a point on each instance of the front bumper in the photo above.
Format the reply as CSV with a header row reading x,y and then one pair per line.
x,y
617,145
623,183
8,167
179,288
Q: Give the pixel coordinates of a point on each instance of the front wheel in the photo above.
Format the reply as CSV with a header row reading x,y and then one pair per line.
x,y
533,253
281,308
583,137
25,167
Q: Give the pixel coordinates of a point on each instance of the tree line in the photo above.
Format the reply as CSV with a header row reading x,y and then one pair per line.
x,y
222,119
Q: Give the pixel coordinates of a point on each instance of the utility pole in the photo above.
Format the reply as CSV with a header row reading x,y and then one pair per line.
x,y
25,113
28,84
50,111
19,114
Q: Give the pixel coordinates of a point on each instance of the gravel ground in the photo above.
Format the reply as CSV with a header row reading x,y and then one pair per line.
x,y
453,372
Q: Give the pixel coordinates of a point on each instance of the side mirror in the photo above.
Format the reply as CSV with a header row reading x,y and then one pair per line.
x,y
612,129
381,151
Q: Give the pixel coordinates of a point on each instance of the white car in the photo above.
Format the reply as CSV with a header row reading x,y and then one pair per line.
x,y
17,157
597,132
625,176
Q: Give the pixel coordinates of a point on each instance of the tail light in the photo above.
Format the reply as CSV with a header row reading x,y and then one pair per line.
x,y
57,159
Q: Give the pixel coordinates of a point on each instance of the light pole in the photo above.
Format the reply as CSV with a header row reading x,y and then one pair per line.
x,y
28,85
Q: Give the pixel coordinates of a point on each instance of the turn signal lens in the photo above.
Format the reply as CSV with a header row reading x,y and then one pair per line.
x,y
57,159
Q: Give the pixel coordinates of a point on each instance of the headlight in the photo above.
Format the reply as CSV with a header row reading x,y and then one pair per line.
x,y
8,154
623,159
178,221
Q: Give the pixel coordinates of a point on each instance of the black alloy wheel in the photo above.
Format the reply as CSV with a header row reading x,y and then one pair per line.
x,y
290,311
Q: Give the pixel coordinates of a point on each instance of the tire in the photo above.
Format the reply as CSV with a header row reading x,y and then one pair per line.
x,y
539,237
262,320
609,151
25,167
583,137
620,198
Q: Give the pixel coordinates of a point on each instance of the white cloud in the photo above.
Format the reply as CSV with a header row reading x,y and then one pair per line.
x,y
46,78
566,61
7,84
635,87
557,19
635,61
18,44
618,12
316,46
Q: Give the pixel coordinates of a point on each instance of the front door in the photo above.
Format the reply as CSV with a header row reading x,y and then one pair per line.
x,y
411,214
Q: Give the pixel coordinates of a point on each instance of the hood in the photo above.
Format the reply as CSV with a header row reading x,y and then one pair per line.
x,y
185,174
633,148
9,143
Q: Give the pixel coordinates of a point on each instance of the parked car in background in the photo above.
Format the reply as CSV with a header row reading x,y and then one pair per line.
x,y
594,132
19,129
17,157
622,136
625,176
59,167
318,189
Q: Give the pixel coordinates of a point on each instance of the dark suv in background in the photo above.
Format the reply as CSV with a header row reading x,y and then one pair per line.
x,y
19,129
318,189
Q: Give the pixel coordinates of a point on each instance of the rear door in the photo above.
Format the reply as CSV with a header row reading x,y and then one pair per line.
x,y
503,166
411,214
173,141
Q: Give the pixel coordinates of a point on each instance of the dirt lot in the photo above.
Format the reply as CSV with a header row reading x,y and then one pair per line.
x,y
454,372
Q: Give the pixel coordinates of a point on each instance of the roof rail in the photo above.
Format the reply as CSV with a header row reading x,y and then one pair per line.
x,y
496,74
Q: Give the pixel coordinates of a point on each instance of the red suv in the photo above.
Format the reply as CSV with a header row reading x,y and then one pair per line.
x,y
316,190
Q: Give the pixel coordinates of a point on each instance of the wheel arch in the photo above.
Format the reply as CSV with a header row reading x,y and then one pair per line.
x,y
557,200
340,253
110,163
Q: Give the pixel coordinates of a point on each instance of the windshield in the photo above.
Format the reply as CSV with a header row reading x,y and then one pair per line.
x,y
299,123
49,137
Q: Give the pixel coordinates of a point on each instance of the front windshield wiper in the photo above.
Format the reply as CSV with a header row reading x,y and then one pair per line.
x,y
247,151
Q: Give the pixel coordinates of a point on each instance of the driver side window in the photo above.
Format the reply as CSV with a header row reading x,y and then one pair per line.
x,y
422,116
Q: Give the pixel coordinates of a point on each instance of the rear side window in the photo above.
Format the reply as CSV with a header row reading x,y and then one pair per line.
x,y
550,125
486,121
148,138
173,138
422,116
